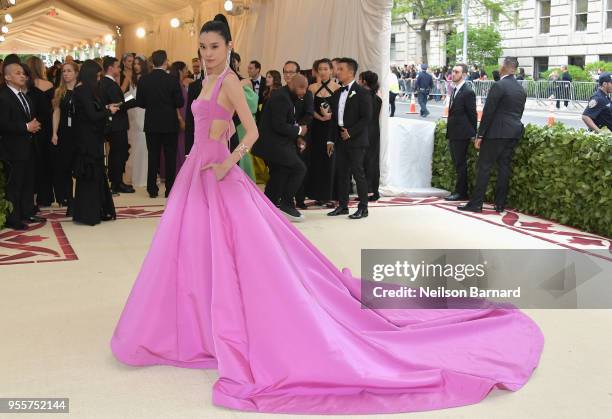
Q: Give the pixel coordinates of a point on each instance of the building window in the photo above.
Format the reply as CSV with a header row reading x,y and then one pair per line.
x,y
581,14
393,41
609,14
540,65
517,17
605,58
577,60
544,16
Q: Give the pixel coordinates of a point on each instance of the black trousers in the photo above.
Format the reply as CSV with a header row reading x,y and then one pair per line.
x,y
300,195
20,179
287,173
494,151
155,142
43,187
372,167
117,156
392,97
350,160
458,150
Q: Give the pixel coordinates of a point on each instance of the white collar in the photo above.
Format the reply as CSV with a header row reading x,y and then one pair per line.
x,y
350,86
504,76
15,90
110,77
460,85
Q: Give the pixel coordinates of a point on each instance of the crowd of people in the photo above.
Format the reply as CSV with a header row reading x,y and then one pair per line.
x,y
79,133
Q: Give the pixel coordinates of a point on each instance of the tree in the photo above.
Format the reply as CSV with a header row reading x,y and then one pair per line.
x,y
425,10
483,45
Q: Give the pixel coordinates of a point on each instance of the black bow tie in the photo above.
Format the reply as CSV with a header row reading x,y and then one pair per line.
x,y
256,82
344,89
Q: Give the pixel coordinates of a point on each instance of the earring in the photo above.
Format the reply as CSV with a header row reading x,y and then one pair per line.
x,y
229,57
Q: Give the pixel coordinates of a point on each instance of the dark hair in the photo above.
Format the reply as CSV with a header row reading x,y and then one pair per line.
x,y
159,57
337,59
88,76
256,63
324,61
176,68
297,66
352,64
144,68
218,25
276,82
511,62
108,62
122,64
464,67
371,80
12,59
496,75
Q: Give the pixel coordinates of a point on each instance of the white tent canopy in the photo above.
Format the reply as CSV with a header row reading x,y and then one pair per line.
x,y
270,31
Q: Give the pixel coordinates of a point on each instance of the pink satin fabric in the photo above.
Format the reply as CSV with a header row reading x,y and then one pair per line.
x,y
229,283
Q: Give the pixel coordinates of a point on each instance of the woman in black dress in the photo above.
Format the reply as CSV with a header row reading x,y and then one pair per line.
x,y
63,136
41,92
369,80
93,201
320,179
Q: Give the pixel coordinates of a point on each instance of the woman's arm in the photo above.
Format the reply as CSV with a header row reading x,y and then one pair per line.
x,y
236,97
56,118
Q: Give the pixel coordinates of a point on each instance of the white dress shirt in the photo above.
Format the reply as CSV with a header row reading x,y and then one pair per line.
x,y
26,108
342,103
260,81
458,87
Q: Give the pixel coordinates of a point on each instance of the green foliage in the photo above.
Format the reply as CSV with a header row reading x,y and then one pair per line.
x,y
5,206
484,45
558,173
577,73
593,67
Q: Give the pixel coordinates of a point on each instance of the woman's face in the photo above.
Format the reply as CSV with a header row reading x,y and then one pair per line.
x,y
269,80
128,62
213,49
137,67
68,74
324,71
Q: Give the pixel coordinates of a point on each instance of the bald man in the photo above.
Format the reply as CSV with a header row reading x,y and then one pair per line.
x,y
17,129
279,132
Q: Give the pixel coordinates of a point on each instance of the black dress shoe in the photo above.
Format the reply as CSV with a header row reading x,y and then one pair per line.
x,y
152,194
126,186
499,208
338,211
123,189
456,197
373,198
108,217
470,208
360,213
35,219
17,226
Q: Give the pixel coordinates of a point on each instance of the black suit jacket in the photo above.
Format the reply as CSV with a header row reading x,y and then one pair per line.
x,y
15,142
160,95
278,128
462,115
111,92
357,116
262,87
503,110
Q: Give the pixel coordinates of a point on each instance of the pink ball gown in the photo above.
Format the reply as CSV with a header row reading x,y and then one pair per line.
x,y
283,326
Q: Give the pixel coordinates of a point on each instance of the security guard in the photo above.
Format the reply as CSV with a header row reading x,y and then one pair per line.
x,y
598,113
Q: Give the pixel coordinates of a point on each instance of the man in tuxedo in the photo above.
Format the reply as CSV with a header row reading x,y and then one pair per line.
x,y
117,130
304,113
498,135
160,95
278,134
259,84
18,126
193,91
460,128
196,65
351,108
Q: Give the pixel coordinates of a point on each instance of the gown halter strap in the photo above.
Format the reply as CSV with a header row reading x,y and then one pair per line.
x,y
324,85
217,87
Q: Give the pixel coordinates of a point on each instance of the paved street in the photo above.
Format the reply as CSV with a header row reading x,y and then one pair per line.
x,y
571,118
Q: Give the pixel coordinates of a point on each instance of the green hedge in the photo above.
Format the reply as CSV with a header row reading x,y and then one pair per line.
x,y
5,206
558,173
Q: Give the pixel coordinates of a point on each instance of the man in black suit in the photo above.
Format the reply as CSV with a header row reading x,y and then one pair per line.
x,y
461,128
18,126
160,95
498,134
117,130
259,84
351,108
196,64
278,134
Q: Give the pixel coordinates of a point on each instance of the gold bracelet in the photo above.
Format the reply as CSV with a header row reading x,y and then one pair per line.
x,y
242,149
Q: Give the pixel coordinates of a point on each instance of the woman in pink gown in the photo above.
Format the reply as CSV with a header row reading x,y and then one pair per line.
x,y
283,326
